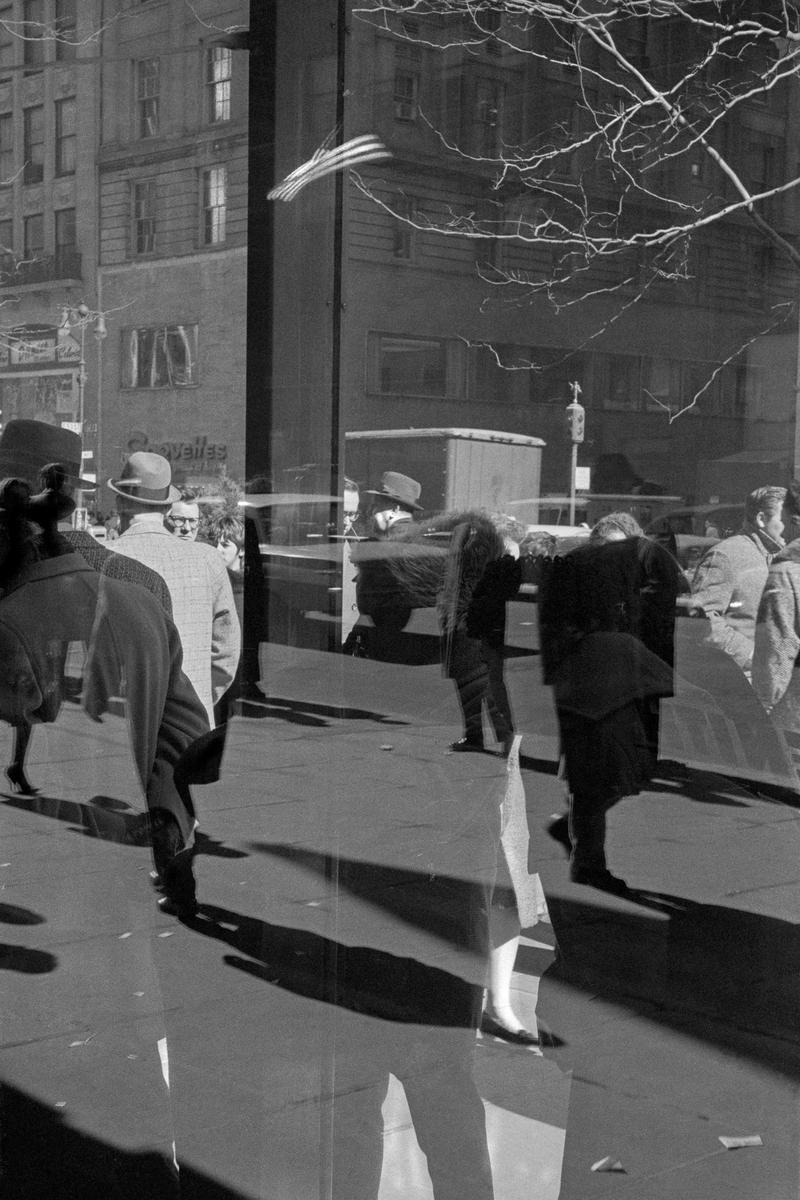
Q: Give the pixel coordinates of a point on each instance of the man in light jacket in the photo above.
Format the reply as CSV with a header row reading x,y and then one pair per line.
x,y
776,677
729,580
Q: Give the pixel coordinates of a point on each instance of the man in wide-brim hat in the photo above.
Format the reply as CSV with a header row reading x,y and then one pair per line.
x,y
397,500
146,479
28,446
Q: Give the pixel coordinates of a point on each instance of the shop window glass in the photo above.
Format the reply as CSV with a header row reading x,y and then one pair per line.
x,y
164,356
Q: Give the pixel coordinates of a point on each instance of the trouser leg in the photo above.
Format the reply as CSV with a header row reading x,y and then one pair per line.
x,y
357,1152
449,1118
471,687
587,830
497,693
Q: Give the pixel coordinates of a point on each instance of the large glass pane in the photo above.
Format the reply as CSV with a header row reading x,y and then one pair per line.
x,y
398,600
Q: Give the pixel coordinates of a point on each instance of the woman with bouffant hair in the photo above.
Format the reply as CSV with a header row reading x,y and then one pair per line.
x,y
52,600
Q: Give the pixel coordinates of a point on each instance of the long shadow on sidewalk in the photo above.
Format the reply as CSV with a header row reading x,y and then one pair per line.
x,y
43,1158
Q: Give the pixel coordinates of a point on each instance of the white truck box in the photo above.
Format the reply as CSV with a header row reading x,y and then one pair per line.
x,y
458,468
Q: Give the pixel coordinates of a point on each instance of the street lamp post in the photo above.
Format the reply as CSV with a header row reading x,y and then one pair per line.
x,y
79,318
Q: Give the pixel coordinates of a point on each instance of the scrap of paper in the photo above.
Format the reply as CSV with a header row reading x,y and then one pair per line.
x,y
609,1163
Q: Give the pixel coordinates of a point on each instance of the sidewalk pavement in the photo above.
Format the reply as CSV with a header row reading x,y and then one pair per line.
x,y
678,1012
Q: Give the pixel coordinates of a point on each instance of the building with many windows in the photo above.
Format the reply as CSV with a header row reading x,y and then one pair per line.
x,y
430,331
123,160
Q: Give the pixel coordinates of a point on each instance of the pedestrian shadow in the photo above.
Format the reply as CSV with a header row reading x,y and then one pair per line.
x,y
359,978
100,817
26,961
12,914
439,904
729,976
106,819
697,786
309,712
45,1157
542,766
213,848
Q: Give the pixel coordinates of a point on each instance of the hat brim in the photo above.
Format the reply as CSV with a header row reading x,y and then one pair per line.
x,y
118,486
11,468
391,496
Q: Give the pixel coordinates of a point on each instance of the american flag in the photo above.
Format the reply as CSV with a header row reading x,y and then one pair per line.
x,y
363,149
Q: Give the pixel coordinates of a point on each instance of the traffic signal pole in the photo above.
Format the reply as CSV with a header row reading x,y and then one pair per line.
x,y
576,423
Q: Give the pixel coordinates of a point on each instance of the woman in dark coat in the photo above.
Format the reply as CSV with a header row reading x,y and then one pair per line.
x,y
606,616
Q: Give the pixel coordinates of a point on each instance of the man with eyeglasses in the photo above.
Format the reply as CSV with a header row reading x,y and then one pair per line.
x,y
184,516
202,600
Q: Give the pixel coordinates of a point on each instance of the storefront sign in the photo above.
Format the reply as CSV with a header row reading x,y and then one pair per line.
x,y
196,453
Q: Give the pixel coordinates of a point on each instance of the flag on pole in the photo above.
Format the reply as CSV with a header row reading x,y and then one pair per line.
x,y
363,149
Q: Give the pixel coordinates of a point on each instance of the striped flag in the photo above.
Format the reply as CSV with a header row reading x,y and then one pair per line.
x,y
363,149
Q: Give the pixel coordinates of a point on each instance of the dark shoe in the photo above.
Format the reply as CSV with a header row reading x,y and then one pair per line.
x,y
173,864
466,743
177,885
601,879
183,909
19,781
557,828
517,1037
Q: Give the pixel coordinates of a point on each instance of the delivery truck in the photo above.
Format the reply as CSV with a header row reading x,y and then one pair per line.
x,y
457,468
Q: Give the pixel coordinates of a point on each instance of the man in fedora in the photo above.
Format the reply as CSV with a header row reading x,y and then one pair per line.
x,y
28,446
202,599
396,501
378,595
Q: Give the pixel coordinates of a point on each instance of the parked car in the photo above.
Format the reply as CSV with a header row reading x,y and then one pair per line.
x,y
300,550
690,531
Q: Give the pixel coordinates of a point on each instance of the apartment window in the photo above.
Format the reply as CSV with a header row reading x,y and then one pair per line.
x,y
403,231
7,164
164,356
7,263
215,198
487,116
406,94
34,237
144,216
662,385
624,390
760,276
65,136
66,29
34,30
33,171
148,82
552,373
409,366
66,240
219,71
7,43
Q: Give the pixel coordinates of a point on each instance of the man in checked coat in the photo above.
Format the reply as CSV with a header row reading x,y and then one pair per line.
x,y
202,599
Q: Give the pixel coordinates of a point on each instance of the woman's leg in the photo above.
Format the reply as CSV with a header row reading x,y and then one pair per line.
x,y
498,702
15,772
499,1017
